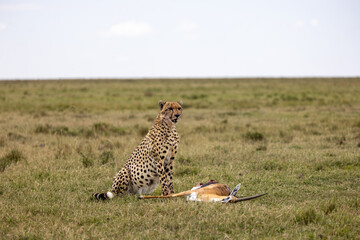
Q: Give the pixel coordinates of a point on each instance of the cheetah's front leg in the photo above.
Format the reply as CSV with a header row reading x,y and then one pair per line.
x,y
159,159
169,171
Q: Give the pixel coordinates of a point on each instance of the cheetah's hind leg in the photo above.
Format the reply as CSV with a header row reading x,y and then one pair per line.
x,y
120,186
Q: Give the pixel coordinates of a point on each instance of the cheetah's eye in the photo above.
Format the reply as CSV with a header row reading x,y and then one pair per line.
x,y
179,109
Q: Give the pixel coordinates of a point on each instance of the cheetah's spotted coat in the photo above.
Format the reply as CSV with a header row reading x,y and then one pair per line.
x,y
151,162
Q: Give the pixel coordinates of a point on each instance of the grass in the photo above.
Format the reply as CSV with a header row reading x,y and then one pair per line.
x,y
13,156
296,139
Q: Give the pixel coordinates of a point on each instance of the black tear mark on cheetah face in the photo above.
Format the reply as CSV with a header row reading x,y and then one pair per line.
x,y
171,111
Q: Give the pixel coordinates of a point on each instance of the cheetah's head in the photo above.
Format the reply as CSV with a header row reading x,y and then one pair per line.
x,y
171,111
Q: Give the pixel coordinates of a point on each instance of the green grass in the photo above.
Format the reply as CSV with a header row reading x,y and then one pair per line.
x,y
296,139
12,157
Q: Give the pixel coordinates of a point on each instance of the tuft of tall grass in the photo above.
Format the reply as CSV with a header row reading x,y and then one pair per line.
x,y
97,129
55,130
329,207
13,156
306,216
254,136
15,136
87,161
106,157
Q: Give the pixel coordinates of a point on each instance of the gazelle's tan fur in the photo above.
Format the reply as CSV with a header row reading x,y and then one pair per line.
x,y
211,192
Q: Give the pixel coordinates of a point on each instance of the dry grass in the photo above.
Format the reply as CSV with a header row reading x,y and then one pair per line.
x,y
297,139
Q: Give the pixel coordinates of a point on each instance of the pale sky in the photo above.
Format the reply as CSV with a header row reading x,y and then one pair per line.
x,y
198,38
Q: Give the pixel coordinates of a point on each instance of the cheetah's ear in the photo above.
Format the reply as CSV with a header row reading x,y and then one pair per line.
x,y
161,104
180,102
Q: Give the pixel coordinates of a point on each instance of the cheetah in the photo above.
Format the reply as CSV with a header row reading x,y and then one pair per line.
x,y
152,161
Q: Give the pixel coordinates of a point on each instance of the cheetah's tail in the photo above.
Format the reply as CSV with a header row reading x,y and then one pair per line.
x,y
103,196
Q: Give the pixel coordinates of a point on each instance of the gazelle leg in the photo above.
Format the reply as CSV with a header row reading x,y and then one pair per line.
x,y
180,194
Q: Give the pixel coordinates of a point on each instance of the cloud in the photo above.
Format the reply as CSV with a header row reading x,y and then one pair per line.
x,y
122,59
299,24
314,22
18,7
3,26
130,29
188,26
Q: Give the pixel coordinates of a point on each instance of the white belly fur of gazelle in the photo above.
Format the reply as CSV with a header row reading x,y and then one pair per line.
x,y
194,197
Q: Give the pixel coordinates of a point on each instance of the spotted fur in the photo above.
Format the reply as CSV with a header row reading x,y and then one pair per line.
x,y
152,161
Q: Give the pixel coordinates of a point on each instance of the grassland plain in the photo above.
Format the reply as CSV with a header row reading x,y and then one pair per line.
x,y
297,139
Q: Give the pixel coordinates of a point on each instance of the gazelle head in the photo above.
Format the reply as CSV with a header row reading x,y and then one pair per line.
x,y
233,199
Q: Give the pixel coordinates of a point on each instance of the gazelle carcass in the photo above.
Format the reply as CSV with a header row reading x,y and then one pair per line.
x,y
211,191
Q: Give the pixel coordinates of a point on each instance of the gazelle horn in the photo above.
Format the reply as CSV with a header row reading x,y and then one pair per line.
x,y
248,198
